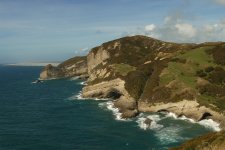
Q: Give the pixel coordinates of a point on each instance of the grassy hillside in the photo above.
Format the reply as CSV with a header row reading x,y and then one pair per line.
x,y
211,141
158,71
200,70
72,61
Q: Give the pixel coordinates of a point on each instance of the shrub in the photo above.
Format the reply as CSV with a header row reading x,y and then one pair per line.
x,y
209,69
217,76
201,73
135,83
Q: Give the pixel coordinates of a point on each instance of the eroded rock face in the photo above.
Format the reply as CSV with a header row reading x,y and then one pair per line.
x,y
76,66
113,89
142,74
190,109
51,72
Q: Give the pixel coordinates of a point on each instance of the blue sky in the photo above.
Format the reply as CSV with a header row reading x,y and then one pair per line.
x,y
54,30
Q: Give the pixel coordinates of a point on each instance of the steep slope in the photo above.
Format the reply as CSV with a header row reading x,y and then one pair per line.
x,y
123,68
211,141
76,66
147,75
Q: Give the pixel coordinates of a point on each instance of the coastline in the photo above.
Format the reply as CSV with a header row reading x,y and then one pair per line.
x,y
192,117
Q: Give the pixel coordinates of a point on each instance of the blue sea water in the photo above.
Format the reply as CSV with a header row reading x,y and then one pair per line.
x,y
47,116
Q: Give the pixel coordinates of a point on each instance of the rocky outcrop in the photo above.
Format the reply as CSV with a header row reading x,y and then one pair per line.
x,y
51,72
142,74
76,66
190,109
113,89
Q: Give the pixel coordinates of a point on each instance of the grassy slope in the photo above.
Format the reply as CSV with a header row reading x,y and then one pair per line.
x,y
185,72
146,81
123,69
211,141
72,61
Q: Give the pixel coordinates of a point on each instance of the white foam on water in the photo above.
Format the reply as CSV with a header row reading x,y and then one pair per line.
x,y
170,114
209,123
169,134
83,83
173,115
73,78
187,119
110,106
154,125
77,97
166,135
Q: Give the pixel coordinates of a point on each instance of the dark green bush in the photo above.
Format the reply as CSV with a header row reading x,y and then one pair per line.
x,y
135,83
201,73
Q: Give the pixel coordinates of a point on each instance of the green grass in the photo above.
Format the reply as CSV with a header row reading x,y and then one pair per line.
x,y
123,69
217,102
180,72
196,59
185,73
199,56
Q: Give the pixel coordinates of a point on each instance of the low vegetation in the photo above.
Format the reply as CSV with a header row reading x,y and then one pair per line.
x,y
123,69
72,61
202,62
210,141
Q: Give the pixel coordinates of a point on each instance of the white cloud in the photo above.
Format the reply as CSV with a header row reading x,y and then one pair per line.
x,y
150,27
220,1
178,29
186,29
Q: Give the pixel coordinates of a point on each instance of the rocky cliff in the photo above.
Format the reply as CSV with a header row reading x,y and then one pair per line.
x,y
143,74
76,66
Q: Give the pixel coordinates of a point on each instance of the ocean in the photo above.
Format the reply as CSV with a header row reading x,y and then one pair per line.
x,y
52,116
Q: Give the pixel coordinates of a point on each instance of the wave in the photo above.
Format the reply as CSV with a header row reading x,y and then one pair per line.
x,y
83,83
80,83
165,134
77,97
169,134
207,123
173,115
153,124
73,78
110,106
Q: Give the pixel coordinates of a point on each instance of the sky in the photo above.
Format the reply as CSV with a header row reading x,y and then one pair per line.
x,y
55,30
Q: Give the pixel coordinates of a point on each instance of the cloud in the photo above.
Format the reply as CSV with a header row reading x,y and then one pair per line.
x,y
179,28
150,27
186,29
220,1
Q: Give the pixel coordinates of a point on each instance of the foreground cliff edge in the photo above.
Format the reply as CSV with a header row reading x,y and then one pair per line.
x,y
143,74
211,141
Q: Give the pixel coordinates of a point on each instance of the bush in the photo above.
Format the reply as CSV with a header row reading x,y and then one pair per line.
x,y
217,76
209,69
135,83
201,73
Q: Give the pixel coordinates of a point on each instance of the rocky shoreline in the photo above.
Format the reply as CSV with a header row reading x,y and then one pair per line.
x,y
142,74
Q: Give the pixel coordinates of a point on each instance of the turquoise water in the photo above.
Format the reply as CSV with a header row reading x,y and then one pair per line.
x,y
47,116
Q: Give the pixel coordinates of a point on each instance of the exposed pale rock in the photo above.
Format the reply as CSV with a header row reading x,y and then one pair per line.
x,y
190,109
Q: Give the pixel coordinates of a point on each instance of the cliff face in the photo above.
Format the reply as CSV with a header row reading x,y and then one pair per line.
x,y
127,67
76,66
51,72
144,74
